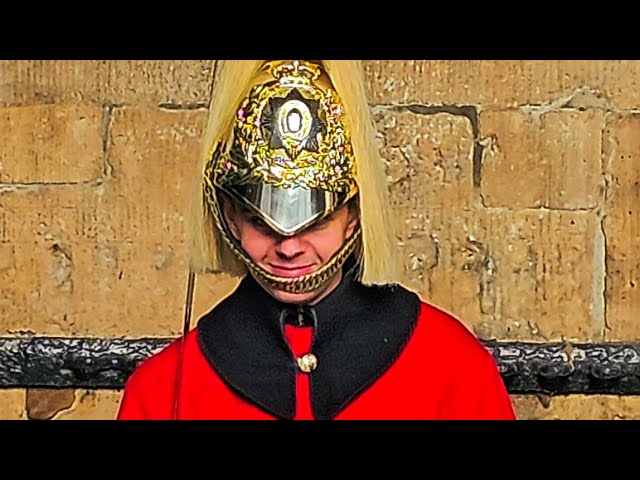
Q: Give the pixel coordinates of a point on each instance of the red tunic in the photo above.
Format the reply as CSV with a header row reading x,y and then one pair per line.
x,y
443,372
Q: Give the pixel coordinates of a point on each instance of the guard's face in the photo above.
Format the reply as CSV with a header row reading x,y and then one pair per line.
x,y
291,256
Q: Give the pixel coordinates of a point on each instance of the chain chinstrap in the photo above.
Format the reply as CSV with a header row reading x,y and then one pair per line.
x,y
302,284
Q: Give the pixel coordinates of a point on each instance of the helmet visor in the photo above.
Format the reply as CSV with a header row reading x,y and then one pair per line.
x,y
286,210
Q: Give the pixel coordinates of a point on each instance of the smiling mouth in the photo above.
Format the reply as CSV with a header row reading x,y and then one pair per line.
x,y
290,271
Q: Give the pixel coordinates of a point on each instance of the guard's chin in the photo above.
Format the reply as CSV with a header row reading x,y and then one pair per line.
x,y
295,298
307,298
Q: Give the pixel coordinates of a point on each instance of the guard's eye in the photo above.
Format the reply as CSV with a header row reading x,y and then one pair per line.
x,y
259,224
321,223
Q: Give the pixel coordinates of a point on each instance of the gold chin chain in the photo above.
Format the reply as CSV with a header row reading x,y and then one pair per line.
x,y
302,284
311,281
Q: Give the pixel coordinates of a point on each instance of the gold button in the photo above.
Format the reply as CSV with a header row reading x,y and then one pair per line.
x,y
307,363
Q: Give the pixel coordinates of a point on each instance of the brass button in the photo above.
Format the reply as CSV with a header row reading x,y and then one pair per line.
x,y
307,363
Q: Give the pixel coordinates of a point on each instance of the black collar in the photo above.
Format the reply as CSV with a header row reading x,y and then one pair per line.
x,y
359,332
